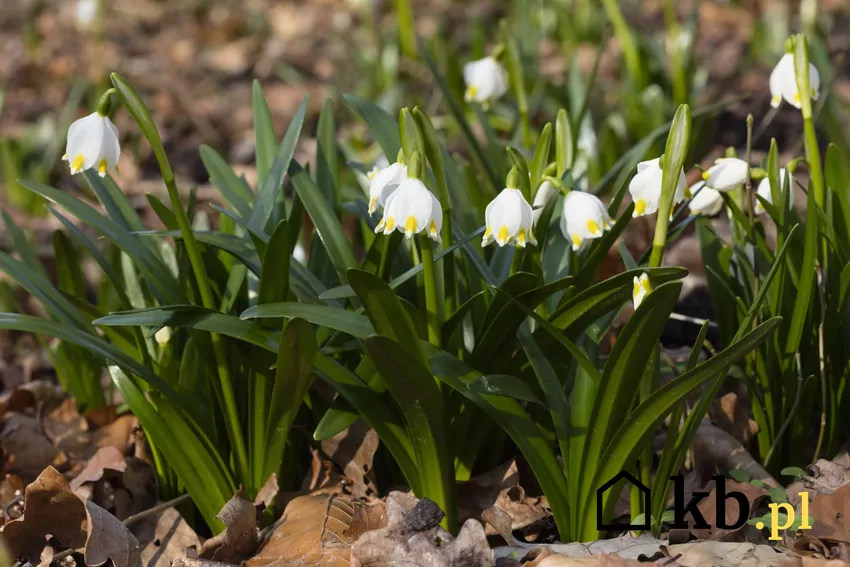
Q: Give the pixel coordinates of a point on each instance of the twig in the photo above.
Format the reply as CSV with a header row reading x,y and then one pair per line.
x,y
694,320
156,509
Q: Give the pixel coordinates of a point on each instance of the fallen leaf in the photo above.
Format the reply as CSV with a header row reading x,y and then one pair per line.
x,y
50,507
108,538
68,430
731,510
239,538
106,459
604,560
323,477
318,529
27,449
411,538
814,562
625,546
353,451
164,537
267,494
830,514
725,554
118,434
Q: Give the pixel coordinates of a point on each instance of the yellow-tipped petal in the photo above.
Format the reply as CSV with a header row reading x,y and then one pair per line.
x,y
644,281
502,237
635,291
520,238
64,157
796,98
776,100
488,232
576,240
432,228
101,168
471,91
706,175
390,223
640,207
593,227
814,93
410,225
372,203
688,193
77,164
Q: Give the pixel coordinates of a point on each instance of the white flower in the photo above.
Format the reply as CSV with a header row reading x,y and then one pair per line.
x,y
85,12
162,336
93,142
645,188
584,217
508,219
641,288
706,200
765,192
411,209
783,83
545,193
485,80
383,182
727,174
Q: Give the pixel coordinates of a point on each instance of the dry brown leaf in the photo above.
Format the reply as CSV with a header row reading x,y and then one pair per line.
x,y
239,538
50,507
708,509
27,449
353,451
323,477
67,429
118,434
830,514
267,494
106,459
725,554
318,530
164,537
109,538
814,562
604,560
412,536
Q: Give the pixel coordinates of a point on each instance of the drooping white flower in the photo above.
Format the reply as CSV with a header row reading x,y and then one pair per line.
x,y
545,193
584,217
383,182
645,188
162,336
727,174
93,142
411,209
85,12
641,289
706,200
765,192
783,83
485,80
508,220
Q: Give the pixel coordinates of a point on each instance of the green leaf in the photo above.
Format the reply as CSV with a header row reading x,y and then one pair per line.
x,y
739,475
382,125
265,140
341,320
417,395
327,158
196,317
541,158
234,190
339,417
274,281
293,379
807,279
386,313
326,222
21,245
793,471
777,494
504,385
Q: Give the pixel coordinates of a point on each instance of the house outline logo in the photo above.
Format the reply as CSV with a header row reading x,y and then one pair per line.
x,y
647,499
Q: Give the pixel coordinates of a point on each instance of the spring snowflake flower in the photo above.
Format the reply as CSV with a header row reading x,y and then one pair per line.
x,y
765,192
783,83
645,188
641,289
485,80
383,183
584,217
509,219
727,174
162,336
545,193
411,209
706,200
93,142
85,12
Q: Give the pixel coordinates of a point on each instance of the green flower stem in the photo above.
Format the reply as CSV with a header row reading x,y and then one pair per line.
x,y
406,27
142,117
431,300
801,66
673,160
104,105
